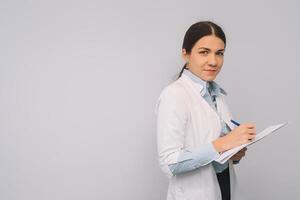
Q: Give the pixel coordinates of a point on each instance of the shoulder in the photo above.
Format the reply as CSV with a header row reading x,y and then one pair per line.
x,y
175,90
174,96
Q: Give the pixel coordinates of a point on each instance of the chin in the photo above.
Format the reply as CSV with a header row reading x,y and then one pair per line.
x,y
210,78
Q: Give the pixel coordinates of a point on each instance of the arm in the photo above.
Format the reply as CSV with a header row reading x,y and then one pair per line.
x,y
172,116
192,159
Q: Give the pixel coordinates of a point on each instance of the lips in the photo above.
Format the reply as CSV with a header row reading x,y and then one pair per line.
x,y
210,70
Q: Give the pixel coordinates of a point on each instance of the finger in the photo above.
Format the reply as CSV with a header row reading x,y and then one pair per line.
x,y
250,137
235,158
251,131
243,149
241,153
249,125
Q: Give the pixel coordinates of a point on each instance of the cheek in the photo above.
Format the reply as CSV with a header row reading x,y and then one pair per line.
x,y
220,63
197,58
201,61
220,59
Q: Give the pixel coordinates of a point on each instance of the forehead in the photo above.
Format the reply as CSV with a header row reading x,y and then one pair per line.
x,y
211,42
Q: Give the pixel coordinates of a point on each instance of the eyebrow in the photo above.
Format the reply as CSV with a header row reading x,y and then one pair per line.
x,y
210,49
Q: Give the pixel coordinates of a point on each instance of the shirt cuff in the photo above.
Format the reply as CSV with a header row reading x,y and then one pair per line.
x,y
206,153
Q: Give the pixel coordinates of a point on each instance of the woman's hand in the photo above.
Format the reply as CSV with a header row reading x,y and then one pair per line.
x,y
238,156
242,134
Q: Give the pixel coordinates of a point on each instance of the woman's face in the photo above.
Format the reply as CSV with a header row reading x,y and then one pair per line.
x,y
206,57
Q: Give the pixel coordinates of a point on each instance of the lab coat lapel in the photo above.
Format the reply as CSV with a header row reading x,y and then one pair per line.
x,y
223,112
196,90
222,109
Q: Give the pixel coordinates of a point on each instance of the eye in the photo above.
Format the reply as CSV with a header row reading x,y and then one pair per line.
x,y
203,52
220,53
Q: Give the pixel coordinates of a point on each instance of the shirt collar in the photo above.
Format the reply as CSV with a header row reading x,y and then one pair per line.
x,y
216,90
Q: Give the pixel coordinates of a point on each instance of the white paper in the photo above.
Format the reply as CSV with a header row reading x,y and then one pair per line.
x,y
229,153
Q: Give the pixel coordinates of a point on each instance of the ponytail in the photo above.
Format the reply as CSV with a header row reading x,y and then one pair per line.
x,y
183,68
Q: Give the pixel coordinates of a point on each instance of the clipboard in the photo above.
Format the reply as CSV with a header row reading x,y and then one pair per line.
x,y
229,153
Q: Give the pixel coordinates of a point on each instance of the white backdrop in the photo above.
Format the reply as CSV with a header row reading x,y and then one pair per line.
x,y
79,81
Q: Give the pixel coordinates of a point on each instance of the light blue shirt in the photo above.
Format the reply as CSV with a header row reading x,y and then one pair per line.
x,y
190,160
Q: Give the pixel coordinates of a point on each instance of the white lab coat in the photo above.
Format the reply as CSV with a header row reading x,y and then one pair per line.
x,y
185,121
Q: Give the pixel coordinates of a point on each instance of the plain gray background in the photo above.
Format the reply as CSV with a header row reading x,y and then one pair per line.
x,y
79,81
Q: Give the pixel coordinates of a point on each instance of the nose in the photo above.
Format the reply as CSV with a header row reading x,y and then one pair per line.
x,y
212,60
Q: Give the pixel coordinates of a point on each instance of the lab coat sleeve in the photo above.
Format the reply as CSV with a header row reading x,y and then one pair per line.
x,y
172,115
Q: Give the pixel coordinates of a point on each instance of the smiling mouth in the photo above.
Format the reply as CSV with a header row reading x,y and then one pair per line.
x,y
210,70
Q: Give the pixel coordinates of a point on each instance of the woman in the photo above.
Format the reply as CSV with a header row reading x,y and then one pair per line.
x,y
194,123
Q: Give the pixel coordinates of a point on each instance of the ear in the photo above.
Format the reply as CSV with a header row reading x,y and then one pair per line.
x,y
185,55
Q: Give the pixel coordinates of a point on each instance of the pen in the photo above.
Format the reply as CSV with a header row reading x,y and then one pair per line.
x,y
235,123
